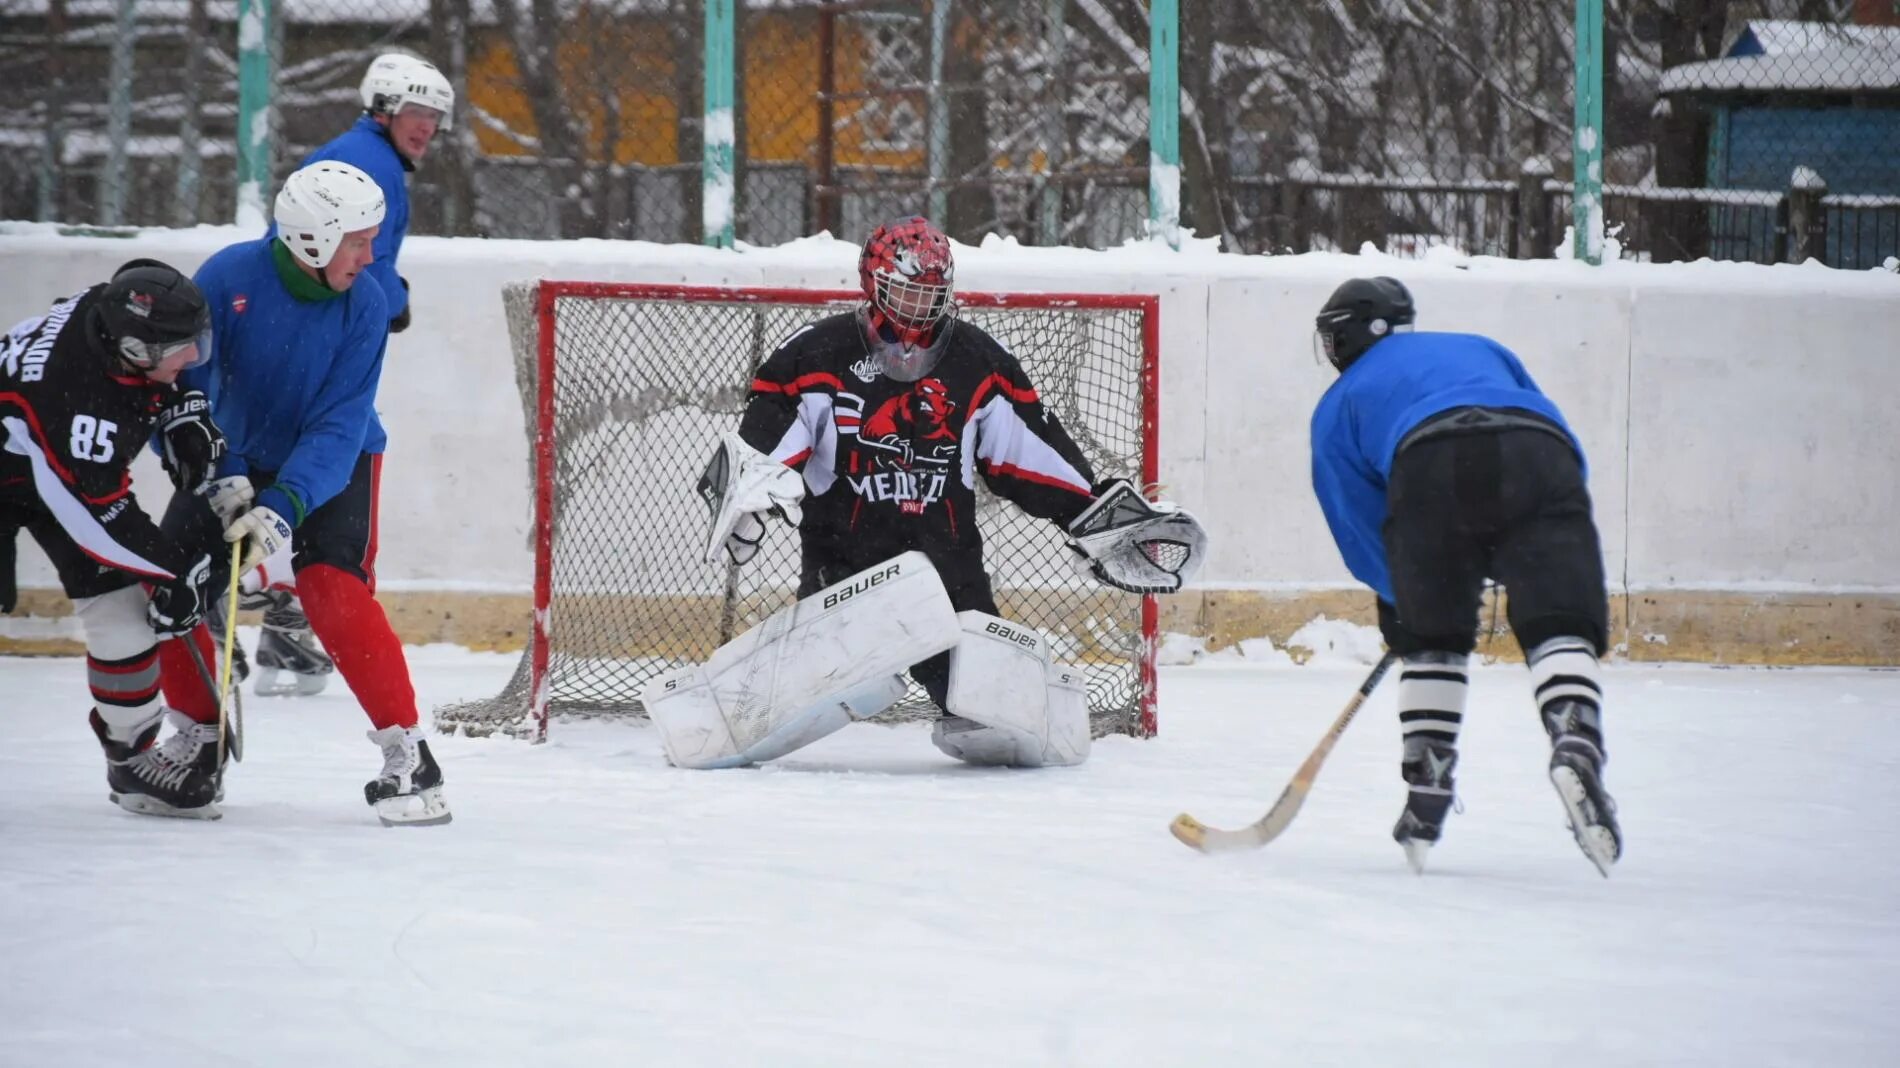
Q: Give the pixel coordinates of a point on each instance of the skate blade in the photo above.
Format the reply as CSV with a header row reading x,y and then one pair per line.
x,y
1416,850
271,682
152,806
1598,844
425,809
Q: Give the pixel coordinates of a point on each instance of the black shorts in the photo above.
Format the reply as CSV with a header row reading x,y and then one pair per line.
x,y
79,574
1509,505
822,564
341,532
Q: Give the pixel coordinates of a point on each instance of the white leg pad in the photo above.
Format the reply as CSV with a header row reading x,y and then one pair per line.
x,y
808,670
1024,710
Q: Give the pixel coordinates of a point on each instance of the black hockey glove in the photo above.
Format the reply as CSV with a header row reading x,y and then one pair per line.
x,y
9,592
190,443
177,606
401,321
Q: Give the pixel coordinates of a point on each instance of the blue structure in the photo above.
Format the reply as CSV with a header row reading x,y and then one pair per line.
x,y
1800,94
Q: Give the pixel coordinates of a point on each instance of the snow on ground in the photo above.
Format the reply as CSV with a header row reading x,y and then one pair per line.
x,y
868,901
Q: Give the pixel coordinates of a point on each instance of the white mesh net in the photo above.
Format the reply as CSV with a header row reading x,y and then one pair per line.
x,y
645,381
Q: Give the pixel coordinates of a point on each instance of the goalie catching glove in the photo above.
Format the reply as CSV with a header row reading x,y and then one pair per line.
x,y
1138,545
742,486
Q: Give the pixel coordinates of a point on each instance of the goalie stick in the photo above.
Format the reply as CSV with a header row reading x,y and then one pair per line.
x,y
1197,835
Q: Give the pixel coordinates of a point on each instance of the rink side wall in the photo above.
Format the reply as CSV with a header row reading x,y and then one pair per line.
x,y
1740,423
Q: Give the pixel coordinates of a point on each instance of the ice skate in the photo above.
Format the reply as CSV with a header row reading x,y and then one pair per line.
x,y
178,778
1427,769
408,793
289,661
1576,770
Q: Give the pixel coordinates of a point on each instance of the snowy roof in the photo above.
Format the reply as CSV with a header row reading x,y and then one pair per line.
x,y
1836,68
316,12
1780,37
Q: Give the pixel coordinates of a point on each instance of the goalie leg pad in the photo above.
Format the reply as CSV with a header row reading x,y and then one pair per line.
x,y
1021,709
807,670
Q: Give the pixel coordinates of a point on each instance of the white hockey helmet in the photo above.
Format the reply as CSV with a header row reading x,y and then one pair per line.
x,y
321,203
397,78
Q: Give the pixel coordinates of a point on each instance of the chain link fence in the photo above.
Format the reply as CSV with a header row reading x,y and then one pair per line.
x,y
1762,130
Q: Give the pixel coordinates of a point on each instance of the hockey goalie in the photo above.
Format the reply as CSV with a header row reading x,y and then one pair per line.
x,y
866,430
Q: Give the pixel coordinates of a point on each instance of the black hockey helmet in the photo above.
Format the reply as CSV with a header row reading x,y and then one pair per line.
x,y
1360,312
151,311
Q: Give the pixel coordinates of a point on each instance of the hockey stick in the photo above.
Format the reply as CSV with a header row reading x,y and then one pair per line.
x,y
224,681
1197,835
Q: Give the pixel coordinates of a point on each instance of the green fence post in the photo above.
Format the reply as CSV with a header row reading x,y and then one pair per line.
x,y
1164,122
253,125
716,202
1586,202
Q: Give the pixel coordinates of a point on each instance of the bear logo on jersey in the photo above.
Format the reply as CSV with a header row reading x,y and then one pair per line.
x,y
913,427
913,443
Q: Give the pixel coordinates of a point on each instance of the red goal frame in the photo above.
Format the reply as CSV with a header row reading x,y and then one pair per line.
x,y
548,291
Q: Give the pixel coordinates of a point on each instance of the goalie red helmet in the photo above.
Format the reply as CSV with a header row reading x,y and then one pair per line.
x,y
907,274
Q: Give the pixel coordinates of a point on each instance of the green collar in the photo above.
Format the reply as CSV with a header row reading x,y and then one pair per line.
x,y
301,285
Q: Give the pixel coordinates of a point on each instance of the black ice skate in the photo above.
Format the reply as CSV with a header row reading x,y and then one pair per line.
x,y
408,793
178,778
1427,768
1576,770
289,661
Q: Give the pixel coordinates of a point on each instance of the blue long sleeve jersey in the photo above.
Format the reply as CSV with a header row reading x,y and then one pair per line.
x,y
292,380
1396,385
367,147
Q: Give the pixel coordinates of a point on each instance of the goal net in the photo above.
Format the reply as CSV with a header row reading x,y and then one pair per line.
x,y
627,389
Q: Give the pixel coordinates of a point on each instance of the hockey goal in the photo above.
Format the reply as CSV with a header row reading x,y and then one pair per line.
x,y
626,389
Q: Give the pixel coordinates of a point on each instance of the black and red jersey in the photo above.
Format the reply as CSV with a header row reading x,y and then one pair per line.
x,y
72,418
892,465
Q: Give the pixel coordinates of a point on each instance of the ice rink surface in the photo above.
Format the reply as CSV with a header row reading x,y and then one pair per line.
x,y
869,901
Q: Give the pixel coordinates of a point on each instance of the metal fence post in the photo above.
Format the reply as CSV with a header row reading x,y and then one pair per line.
x,y
53,144
1586,205
125,34
938,106
1164,121
253,125
1533,209
1807,223
718,201
190,154
1293,201
1055,131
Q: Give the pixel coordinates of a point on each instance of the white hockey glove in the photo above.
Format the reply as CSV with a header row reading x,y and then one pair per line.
x,y
742,486
1138,545
263,533
229,497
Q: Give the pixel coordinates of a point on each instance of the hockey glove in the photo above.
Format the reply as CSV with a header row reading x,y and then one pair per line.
x,y
1133,544
175,607
263,532
742,486
401,321
229,497
191,444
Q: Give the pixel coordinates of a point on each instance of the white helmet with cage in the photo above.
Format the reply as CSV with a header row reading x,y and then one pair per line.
x,y
321,203
396,79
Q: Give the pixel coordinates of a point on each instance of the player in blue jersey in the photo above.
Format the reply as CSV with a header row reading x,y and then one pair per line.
x,y
406,101
302,328
1439,463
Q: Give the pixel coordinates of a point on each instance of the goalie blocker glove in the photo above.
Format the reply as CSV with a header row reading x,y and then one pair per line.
x,y
1138,545
743,485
